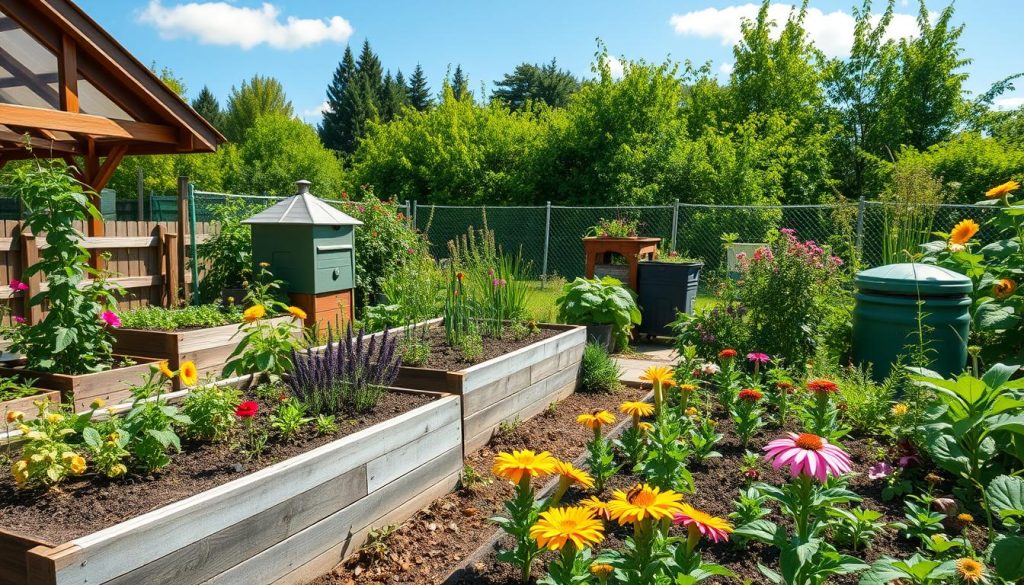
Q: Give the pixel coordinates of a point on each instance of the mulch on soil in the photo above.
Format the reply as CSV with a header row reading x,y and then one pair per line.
x,y
426,548
448,358
86,504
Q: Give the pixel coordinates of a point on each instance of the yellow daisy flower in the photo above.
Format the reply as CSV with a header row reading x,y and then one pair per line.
x,y
297,313
254,313
188,373
516,465
1000,190
559,526
643,501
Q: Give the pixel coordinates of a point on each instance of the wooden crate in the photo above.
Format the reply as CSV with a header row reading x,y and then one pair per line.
x,y
113,386
209,347
520,384
27,405
285,524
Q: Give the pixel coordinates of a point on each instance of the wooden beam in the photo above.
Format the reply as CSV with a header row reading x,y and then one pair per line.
x,y
106,171
95,126
27,78
41,143
67,72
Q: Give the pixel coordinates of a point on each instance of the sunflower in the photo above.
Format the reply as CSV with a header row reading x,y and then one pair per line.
x,y
188,373
165,369
254,313
571,474
1004,289
596,419
964,231
1004,189
575,524
900,409
517,465
637,409
297,313
643,501
970,570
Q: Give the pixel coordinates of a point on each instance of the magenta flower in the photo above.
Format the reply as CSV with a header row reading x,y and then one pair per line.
x,y
111,318
880,470
907,461
761,358
17,285
19,319
808,455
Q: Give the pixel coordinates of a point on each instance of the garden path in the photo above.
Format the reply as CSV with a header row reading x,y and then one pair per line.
x,y
642,356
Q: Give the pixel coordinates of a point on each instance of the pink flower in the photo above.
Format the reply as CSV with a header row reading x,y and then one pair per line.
x,y
17,285
111,318
907,461
741,256
880,470
808,455
714,529
19,319
761,358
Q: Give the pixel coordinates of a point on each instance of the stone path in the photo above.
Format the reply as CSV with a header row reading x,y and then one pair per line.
x,y
643,356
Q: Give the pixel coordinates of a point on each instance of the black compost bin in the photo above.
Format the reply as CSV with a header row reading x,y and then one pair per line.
x,y
665,289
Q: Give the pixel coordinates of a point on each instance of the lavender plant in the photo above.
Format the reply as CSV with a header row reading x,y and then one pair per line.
x,y
345,377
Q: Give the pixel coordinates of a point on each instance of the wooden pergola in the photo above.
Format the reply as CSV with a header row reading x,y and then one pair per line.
x,y
68,90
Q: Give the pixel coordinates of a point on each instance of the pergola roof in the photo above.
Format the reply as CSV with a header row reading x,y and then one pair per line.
x,y
75,91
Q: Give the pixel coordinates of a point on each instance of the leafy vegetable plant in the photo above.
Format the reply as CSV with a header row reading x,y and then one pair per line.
x,y
602,301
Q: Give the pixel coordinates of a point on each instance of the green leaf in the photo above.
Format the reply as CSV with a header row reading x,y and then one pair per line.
x,y
994,317
1001,249
92,437
1008,558
762,530
1005,496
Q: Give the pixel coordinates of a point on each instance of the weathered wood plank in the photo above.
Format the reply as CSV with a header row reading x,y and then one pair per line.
x,y
155,534
501,366
392,465
484,396
336,535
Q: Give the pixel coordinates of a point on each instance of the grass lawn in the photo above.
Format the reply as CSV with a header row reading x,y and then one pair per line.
x,y
542,300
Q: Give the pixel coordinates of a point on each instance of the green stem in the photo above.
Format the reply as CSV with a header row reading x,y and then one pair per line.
x,y
803,513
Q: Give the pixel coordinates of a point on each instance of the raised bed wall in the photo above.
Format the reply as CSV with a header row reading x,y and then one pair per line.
x,y
283,524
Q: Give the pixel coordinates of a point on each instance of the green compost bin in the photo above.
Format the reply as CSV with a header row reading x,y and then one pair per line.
x,y
885,318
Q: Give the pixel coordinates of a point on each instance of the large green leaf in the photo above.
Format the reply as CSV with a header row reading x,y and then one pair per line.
x,y
1005,496
1008,558
998,374
995,317
1001,249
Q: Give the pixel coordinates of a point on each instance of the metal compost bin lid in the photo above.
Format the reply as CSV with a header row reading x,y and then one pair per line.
x,y
913,279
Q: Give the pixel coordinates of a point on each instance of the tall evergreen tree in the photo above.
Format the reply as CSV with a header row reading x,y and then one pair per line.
x,y
460,83
395,97
334,127
419,92
368,66
207,106
256,97
538,83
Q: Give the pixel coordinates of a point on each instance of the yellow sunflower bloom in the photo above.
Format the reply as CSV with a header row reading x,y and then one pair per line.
x,y
254,313
575,524
297,313
517,465
964,231
596,419
637,409
642,502
1000,190
165,369
188,373
970,570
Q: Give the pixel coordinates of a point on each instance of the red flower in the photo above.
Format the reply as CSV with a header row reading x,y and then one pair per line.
x,y
247,409
784,386
822,386
727,354
750,394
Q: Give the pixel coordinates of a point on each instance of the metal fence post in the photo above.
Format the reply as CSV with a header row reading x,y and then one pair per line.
x,y
415,208
408,214
675,223
193,250
547,240
861,206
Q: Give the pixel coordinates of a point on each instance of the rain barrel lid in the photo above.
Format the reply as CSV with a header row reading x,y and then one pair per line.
x,y
912,279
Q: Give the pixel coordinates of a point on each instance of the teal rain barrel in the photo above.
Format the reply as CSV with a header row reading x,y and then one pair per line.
x,y
885,319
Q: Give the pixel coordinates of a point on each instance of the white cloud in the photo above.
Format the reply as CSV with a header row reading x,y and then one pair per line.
x,y
615,65
725,68
220,23
831,32
316,112
1009,103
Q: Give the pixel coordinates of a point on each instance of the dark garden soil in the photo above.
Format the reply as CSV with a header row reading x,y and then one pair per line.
x,y
426,548
89,503
448,358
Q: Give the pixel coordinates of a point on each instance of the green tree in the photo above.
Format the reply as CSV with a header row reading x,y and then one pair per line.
x,y
207,106
333,127
395,97
259,96
536,83
419,91
279,150
460,84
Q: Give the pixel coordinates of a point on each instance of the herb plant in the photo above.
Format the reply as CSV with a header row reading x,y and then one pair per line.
x,y
598,371
211,410
155,318
600,302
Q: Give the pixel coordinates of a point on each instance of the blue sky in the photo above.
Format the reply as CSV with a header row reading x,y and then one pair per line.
x,y
301,41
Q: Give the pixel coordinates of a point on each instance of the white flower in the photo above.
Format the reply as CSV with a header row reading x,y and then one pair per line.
x,y
710,369
956,247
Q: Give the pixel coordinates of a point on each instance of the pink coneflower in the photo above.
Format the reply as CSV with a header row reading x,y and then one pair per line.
x,y
809,455
710,527
19,319
111,318
17,285
759,358
880,470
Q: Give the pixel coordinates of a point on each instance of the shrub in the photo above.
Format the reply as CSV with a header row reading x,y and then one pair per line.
x,y
345,377
598,370
712,329
600,302
226,257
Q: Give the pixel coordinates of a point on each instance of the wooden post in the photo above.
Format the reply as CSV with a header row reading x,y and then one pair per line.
x,y
182,231
172,268
29,256
161,267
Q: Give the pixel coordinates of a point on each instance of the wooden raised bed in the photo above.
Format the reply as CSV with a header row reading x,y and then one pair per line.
x,y
519,384
113,386
26,404
285,524
208,347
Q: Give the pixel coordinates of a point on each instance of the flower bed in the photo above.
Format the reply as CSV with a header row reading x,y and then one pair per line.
x,y
207,347
518,384
284,523
16,398
112,386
